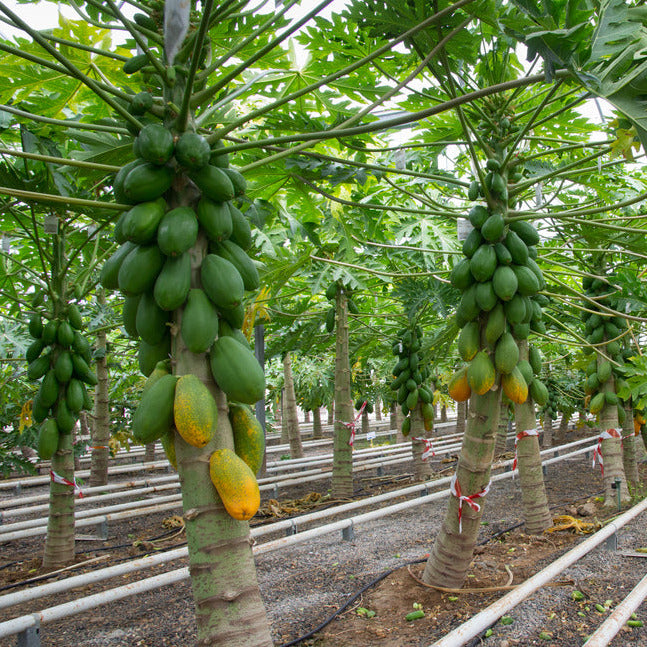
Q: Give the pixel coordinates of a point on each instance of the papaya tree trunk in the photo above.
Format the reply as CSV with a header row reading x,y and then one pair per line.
x,y
501,441
290,415
378,409
629,448
534,501
317,431
330,409
101,426
149,452
59,543
547,440
421,467
278,411
562,428
285,424
365,422
306,417
461,413
229,607
443,414
611,449
453,548
342,471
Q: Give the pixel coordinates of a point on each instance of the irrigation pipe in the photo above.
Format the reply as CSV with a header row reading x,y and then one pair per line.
x,y
605,633
303,536
484,619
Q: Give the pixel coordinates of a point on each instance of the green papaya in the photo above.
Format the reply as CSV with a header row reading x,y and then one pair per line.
x,y
141,222
74,317
47,439
241,261
83,371
199,326
241,232
478,215
81,346
141,103
517,248
503,256
539,392
225,330
526,231
221,282
495,325
148,355
330,320
515,309
173,282
49,332
151,321
155,144
468,308
65,334
74,396
526,280
236,371
65,419
486,297
235,317
492,229
129,315
215,219
505,282
140,269
34,350
177,231
214,183
118,183
238,181
154,414
483,263
49,388
192,151
109,276
219,156
536,360
147,182
63,367
506,354
472,243
461,275
35,326
469,340
135,63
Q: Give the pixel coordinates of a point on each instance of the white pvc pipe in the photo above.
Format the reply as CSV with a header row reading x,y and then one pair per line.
x,y
614,623
481,621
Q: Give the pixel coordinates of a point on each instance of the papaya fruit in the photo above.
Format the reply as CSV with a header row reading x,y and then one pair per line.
x,y
469,340
505,282
168,443
493,227
236,371
49,332
237,180
483,263
221,282
38,410
141,222
249,438
515,309
173,282
472,243
525,231
35,326
81,346
539,392
65,419
141,103
162,368
234,317
145,21
536,270
241,232
48,391
129,315
526,370
154,414
194,411
214,183
330,320
177,231
83,371
604,371
192,151
135,63
406,426
140,269
63,367
74,395
109,276
481,373
118,185
478,215
241,261
473,190
517,248
64,334
151,321
47,439
199,327
235,483
468,308
34,350
597,403
74,316
515,386
535,359
147,182
526,280
495,325
486,297
155,144
460,276
521,331
215,219
506,354
503,256
219,156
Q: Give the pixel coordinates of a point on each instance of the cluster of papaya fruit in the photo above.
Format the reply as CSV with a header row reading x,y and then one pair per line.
x,y
409,375
60,357
500,302
359,403
606,332
331,295
153,265
171,403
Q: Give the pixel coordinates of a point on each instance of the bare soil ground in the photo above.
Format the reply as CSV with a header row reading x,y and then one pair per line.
x,y
305,584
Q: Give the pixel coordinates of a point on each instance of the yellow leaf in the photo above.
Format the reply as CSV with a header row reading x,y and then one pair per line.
x,y
25,415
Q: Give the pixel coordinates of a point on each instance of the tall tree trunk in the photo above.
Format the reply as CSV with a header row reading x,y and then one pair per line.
x,y
560,436
453,548
461,415
290,416
365,422
501,440
59,543
285,425
331,413
149,452
612,450
278,411
547,440
534,501
378,409
342,471
101,426
316,423
306,417
629,448
421,468
229,607
443,413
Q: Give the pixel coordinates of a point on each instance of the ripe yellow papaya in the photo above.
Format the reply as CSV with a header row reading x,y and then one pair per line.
x,y
249,438
235,483
194,411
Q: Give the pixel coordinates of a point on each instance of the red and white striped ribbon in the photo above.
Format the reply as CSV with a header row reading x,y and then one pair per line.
x,y
99,447
429,450
455,489
597,452
61,480
517,438
353,425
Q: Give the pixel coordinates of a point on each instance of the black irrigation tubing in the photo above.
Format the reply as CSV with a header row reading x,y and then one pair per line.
x,y
477,641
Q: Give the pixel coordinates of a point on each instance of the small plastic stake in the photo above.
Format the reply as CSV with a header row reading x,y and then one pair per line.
x,y
292,530
30,637
612,542
617,482
102,530
348,533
